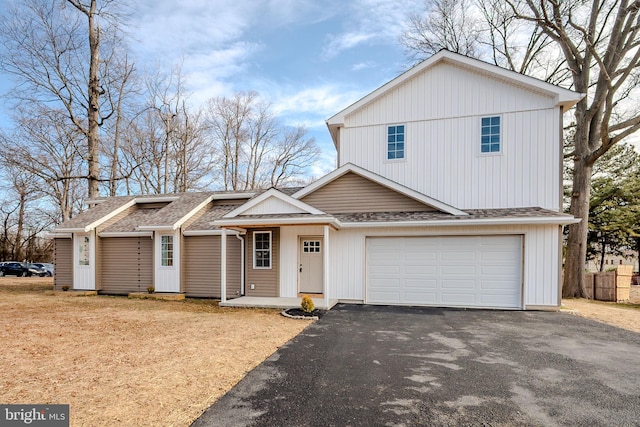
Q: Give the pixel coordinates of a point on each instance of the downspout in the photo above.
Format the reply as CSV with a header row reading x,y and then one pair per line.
x,y
223,266
241,238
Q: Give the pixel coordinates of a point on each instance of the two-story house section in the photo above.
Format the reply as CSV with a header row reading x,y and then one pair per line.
x,y
447,193
465,132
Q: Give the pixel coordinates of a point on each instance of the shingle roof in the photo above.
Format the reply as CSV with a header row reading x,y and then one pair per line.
x,y
131,222
211,212
97,212
175,210
434,216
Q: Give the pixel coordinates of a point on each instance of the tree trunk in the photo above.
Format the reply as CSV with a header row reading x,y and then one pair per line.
x,y
574,285
94,103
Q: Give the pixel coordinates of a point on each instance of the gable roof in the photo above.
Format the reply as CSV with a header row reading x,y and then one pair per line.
x,y
349,167
287,205
563,97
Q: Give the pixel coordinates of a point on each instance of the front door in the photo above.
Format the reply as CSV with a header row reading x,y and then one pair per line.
x,y
310,271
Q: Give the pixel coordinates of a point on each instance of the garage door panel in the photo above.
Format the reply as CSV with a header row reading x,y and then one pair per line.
x,y
467,271
420,269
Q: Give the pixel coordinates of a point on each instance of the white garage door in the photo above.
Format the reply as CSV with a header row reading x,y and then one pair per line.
x,y
455,271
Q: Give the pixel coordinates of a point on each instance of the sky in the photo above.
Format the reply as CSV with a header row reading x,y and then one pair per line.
x,y
310,58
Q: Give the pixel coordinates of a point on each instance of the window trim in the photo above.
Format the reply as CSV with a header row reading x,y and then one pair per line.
x,y
500,135
171,251
270,250
404,142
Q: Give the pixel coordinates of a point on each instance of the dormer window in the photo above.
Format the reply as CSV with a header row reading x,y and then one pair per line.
x,y
490,135
395,142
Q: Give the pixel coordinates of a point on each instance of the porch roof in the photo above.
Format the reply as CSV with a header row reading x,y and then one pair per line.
x,y
246,221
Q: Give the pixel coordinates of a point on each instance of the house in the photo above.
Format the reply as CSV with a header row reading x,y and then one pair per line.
x,y
447,193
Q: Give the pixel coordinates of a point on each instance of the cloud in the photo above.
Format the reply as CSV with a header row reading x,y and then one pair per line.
x,y
363,65
369,21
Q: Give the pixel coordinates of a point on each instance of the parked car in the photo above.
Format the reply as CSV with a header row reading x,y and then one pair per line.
x,y
15,269
49,268
35,270
21,269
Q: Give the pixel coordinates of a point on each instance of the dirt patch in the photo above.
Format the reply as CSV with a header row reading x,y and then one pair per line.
x,y
120,361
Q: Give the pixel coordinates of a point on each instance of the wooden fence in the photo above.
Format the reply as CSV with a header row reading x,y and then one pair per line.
x,y
610,285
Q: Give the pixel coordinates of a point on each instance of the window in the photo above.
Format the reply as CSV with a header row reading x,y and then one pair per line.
x,y
167,251
311,246
395,142
84,251
261,249
490,142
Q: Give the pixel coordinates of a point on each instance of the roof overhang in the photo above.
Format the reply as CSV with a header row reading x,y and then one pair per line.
x,y
157,227
57,235
549,220
126,234
293,202
270,222
217,232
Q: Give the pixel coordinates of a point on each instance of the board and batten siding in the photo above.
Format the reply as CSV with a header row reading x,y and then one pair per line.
x,y
127,265
266,280
63,261
289,256
202,266
442,111
347,272
352,193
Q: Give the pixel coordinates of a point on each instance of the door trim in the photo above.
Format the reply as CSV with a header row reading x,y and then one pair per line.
x,y
301,239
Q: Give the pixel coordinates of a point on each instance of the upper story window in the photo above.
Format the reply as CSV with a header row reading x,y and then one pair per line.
x,y
167,251
490,135
261,249
395,142
84,251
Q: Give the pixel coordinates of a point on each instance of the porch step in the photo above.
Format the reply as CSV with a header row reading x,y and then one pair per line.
x,y
157,295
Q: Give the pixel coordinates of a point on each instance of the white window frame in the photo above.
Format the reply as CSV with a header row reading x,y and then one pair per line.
x,y
386,143
255,266
491,153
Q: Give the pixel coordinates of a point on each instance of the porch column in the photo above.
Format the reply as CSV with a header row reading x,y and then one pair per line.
x,y
325,266
223,265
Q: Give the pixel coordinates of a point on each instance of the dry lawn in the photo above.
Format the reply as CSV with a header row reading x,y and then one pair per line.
x,y
118,361
626,316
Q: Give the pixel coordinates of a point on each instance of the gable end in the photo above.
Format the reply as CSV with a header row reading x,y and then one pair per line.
x,y
352,193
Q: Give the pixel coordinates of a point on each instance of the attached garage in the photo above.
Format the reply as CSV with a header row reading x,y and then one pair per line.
x,y
127,264
445,271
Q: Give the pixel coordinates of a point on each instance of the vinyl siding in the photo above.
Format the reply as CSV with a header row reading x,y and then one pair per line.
x,y
202,266
289,260
63,260
347,275
266,281
127,264
441,110
352,193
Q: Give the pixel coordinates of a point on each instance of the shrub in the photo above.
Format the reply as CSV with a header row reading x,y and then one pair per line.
x,y
65,288
150,289
307,304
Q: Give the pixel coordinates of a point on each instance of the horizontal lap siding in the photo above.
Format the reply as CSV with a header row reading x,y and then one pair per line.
x,y
127,264
352,193
202,266
63,263
265,280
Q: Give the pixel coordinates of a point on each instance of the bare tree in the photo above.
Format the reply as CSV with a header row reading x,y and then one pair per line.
x,y
446,24
55,60
255,150
591,47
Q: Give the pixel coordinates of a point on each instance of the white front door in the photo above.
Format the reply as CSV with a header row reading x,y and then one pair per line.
x,y
310,271
167,262
84,261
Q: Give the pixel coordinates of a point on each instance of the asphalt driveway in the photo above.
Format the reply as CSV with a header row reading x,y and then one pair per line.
x,y
395,366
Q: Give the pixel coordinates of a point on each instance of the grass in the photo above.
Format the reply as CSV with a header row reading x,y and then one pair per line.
x,y
120,361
